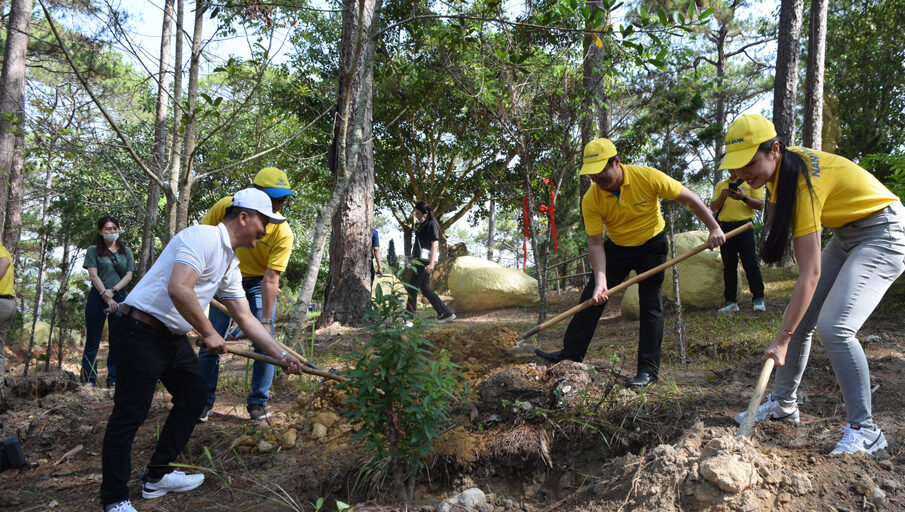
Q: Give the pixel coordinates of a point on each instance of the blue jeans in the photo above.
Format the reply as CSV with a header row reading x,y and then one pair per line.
x,y
95,318
262,373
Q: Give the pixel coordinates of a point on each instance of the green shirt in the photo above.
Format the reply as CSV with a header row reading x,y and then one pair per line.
x,y
109,272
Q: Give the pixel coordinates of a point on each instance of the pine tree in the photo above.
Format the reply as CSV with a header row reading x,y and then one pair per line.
x,y
392,259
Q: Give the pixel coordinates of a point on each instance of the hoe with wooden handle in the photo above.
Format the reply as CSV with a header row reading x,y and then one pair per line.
x,y
625,284
276,362
219,305
747,426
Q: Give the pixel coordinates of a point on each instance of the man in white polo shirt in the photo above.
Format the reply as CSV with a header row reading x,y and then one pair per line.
x,y
150,332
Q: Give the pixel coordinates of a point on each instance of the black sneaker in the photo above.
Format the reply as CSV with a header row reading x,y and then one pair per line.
x,y
257,411
206,412
643,379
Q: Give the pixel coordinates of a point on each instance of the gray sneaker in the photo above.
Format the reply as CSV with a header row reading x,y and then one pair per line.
x,y
759,305
206,412
730,307
858,439
257,411
773,410
175,481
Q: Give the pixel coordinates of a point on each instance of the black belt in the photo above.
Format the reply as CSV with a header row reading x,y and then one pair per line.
x,y
10,297
150,321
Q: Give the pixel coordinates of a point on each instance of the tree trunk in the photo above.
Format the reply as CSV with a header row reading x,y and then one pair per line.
x,y
813,99
42,263
188,149
599,123
175,158
146,253
12,106
680,331
786,83
491,226
721,59
406,244
348,286
361,20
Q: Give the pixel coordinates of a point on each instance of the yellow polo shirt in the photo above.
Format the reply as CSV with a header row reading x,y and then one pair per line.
x,y
6,282
734,210
633,216
843,192
272,250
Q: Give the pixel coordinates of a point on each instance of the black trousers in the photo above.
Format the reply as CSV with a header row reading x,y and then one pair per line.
x,y
143,357
740,246
619,262
421,281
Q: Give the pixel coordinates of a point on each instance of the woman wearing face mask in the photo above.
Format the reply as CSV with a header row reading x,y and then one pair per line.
x,y
110,266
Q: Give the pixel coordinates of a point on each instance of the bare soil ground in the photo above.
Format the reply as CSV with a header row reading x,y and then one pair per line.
x,y
567,437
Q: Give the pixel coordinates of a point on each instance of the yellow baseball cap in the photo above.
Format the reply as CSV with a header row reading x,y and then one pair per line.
x,y
274,182
744,136
596,154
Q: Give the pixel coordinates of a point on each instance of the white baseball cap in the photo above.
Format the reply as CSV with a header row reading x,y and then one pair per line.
x,y
259,201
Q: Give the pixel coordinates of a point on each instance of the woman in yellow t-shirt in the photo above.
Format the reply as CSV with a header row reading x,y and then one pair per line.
x,y
838,287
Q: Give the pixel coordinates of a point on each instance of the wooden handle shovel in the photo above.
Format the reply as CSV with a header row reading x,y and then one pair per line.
x,y
625,284
276,362
747,426
219,305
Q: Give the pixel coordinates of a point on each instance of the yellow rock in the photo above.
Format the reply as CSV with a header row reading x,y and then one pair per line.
x,y
318,431
325,418
287,441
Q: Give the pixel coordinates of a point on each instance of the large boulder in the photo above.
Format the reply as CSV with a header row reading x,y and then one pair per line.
x,y
477,284
440,277
700,278
388,284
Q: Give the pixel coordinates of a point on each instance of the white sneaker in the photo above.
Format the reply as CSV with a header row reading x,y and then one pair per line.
x,y
176,481
448,318
729,307
759,305
857,439
773,410
122,506
410,324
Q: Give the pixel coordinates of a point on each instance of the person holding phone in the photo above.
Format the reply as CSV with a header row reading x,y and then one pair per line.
x,y
734,203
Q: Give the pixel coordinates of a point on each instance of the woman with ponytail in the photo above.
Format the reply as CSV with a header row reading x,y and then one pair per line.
x,y
110,266
839,286
425,253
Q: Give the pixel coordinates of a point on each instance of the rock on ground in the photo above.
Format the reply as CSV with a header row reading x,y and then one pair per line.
x,y
477,285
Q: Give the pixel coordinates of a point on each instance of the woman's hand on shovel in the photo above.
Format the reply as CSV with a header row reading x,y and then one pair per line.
x,y
777,350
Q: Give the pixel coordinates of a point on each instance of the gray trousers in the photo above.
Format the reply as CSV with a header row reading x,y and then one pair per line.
x,y
858,265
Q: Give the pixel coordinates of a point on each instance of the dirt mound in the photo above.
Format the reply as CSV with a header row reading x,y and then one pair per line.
x,y
43,384
714,469
477,352
461,445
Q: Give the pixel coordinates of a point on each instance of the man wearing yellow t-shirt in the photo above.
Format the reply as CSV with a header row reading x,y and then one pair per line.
x,y
734,202
625,199
261,268
7,306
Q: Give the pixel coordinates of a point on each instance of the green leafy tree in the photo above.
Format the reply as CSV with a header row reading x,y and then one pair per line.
x,y
400,394
865,74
